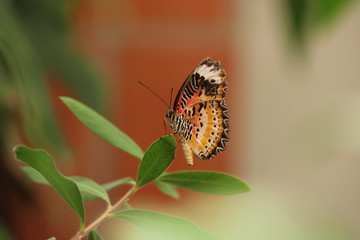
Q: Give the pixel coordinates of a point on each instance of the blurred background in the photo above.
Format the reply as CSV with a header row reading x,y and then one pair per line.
x,y
294,72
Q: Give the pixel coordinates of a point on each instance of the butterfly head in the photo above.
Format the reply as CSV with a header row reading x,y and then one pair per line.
x,y
170,118
169,113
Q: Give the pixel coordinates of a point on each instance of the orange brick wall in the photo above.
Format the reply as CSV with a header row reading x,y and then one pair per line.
x,y
159,43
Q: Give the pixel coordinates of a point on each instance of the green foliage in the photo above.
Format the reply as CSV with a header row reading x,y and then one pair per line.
x,y
4,234
34,175
91,189
34,40
24,75
327,11
168,189
306,16
93,235
206,182
88,196
119,182
102,127
157,158
47,29
88,188
43,163
160,226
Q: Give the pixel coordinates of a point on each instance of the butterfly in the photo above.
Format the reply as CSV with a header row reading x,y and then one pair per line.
x,y
199,115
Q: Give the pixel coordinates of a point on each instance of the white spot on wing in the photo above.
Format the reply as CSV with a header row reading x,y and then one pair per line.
x,y
209,73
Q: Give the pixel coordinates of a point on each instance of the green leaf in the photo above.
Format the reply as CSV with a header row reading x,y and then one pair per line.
x,y
127,206
34,175
25,72
168,189
93,235
326,11
207,182
298,14
161,226
46,25
91,188
41,161
118,182
156,159
102,127
4,232
305,16
88,188
108,186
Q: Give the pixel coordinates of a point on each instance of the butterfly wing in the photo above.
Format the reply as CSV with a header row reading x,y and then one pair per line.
x,y
200,104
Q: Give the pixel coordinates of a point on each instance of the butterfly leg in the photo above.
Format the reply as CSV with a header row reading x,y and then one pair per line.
x,y
188,153
166,122
165,127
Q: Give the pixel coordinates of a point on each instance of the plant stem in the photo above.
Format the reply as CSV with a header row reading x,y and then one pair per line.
x,y
103,216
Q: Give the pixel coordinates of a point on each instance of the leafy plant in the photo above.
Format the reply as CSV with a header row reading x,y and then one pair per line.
x,y
307,16
154,162
35,43
36,50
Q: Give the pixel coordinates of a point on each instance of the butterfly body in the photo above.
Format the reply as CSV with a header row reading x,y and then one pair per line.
x,y
199,115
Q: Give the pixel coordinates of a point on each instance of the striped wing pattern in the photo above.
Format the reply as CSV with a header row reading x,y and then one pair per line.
x,y
200,115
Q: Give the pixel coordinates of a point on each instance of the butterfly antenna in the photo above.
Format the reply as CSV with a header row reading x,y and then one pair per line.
x,y
171,92
154,93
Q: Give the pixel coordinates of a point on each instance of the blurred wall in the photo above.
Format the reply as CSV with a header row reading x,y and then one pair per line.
x,y
158,43
286,89
296,132
302,126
